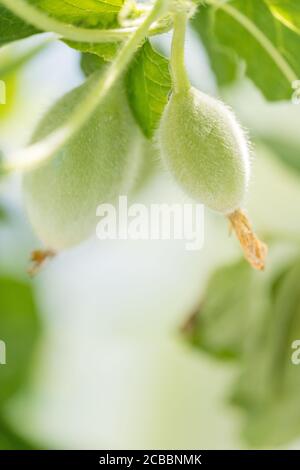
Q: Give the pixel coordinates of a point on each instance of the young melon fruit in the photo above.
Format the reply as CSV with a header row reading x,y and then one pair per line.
x,y
205,149
99,163
149,165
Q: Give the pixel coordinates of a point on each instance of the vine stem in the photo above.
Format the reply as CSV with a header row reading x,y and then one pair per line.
x,y
32,156
42,21
180,78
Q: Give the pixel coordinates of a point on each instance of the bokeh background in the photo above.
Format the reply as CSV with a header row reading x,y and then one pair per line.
x,y
101,359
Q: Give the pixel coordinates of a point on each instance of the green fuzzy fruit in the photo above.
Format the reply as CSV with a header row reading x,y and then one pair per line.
x,y
97,165
205,149
149,164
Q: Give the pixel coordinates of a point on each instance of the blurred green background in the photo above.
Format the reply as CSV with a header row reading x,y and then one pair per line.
x,y
95,353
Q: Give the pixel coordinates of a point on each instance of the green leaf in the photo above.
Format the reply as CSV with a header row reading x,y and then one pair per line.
x,y
13,28
288,152
19,331
223,61
85,13
11,440
94,14
268,48
256,320
228,311
269,384
106,50
91,14
90,63
3,214
286,11
148,85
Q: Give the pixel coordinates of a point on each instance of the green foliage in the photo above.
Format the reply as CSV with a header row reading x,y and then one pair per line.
x,y
248,29
243,317
106,50
148,85
255,321
84,13
12,440
254,31
3,214
228,311
87,13
224,61
147,81
268,386
90,63
286,11
13,28
286,151
19,329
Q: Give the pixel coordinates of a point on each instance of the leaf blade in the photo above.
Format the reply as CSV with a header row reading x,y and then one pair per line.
x,y
13,28
223,61
286,11
148,83
19,327
269,49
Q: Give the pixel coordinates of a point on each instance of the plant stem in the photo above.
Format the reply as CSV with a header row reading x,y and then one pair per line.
x,y
34,155
44,22
180,78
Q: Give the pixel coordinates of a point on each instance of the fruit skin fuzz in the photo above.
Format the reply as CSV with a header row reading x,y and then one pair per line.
x,y
94,167
205,149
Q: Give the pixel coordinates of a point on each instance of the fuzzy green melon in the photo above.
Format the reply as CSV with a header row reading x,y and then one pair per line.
x,y
205,149
149,165
98,164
